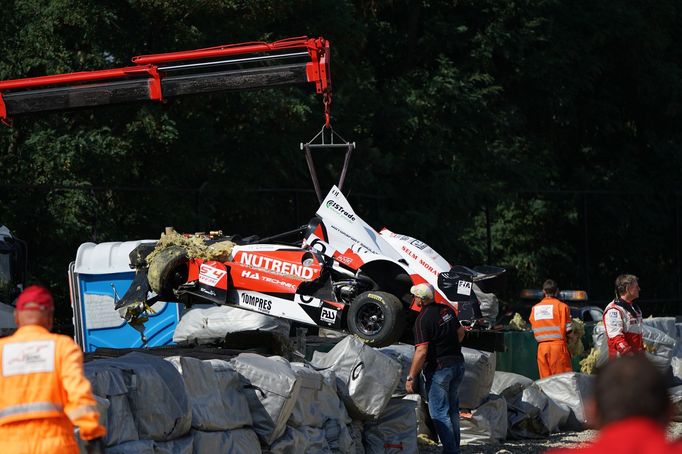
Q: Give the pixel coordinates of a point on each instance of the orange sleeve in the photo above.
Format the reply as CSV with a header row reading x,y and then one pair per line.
x,y
569,319
80,405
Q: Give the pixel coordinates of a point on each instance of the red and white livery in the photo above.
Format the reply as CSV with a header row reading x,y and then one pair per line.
x,y
344,276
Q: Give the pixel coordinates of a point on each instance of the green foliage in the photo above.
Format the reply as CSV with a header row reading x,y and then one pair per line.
x,y
460,110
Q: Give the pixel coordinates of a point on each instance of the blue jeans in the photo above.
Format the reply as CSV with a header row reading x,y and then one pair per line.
x,y
441,388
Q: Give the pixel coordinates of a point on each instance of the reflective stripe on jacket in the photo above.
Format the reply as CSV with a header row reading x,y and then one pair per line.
x,y
41,377
550,320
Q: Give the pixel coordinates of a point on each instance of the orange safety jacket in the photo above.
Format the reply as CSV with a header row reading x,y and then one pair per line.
x,y
550,320
41,377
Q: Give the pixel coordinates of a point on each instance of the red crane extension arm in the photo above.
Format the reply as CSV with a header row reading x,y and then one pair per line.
x,y
160,76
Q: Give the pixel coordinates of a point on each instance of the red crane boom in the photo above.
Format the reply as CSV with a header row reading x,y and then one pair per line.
x,y
162,76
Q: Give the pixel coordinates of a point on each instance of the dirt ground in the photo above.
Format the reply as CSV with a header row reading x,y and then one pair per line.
x,y
563,439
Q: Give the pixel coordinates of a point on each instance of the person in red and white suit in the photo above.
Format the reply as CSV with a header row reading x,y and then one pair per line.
x,y
623,318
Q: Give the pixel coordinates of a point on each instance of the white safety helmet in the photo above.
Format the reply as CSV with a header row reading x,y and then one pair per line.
x,y
423,291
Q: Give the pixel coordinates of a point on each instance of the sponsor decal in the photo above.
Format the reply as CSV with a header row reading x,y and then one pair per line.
x,y
27,357
340,210
464,288
276,266
418,244
262,304
272,280
409,253
357,245
421,261
344,259
613,314
307,300
544,312
210,275
250,274
359,248
353,239
446,317
328,315
375,297
255,275
208,292
428,267
355,373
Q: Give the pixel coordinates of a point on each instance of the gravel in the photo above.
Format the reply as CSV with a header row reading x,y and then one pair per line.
x,y
558,440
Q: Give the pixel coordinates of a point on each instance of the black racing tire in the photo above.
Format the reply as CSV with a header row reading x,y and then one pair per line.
x,y
167,271
378,318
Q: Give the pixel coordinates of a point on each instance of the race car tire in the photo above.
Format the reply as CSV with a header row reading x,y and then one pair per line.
x,y
377,318
167,271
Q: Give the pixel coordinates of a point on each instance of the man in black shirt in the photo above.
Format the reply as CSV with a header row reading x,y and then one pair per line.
x,y
438,336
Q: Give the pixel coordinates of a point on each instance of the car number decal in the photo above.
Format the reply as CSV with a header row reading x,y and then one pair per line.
x,y
210,275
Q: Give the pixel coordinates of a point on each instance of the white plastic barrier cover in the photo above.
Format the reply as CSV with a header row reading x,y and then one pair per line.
x,y
356,434
339,437
230,386
292,440
421,410
182,445
394,432
479,373
109,383
509,384
318,400
676,364
210,410
487,423
330,406
336,426
676,398
534,415
366,376
206,323
659,345
271,388
156,395
402,353
137,446
102,407
236,441
569,390
665,324
316,439
490,304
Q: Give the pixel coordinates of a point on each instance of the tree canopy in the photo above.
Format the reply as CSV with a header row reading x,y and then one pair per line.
x,y
539,135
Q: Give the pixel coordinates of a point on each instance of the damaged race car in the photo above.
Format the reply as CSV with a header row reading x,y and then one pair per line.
x,y
345,276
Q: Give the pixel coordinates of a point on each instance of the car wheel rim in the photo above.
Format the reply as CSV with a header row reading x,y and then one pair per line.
x,y
370,319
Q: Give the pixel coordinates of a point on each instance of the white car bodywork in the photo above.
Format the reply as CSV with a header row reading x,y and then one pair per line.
x,y
353,243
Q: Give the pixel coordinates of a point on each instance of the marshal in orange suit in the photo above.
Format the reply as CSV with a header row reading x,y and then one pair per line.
x,y
43,392
551,322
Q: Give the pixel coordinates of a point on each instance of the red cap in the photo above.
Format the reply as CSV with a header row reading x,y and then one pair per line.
x,y
36,298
